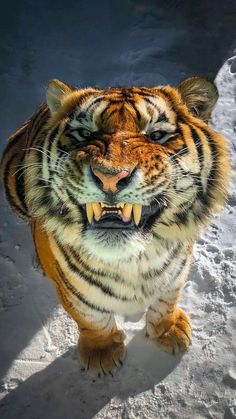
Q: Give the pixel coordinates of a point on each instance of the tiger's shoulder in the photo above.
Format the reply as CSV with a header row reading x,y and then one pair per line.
x,y
13,162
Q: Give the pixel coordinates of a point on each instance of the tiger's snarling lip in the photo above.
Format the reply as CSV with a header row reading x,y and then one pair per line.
x,y
121,216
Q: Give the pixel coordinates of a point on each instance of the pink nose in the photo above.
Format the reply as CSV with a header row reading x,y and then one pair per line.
x,y
110,182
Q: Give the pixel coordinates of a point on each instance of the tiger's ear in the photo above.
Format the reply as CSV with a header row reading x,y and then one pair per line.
x,y
200,96
55,92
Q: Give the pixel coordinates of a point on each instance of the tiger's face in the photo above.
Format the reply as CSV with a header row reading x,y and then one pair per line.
x,y
116,167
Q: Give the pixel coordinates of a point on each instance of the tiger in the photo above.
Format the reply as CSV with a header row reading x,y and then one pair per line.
x,y
116,185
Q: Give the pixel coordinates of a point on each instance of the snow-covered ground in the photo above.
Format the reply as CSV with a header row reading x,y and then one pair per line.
x,y
39,375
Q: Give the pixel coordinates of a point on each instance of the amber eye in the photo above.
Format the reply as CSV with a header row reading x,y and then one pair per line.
x,y
85,133
161,136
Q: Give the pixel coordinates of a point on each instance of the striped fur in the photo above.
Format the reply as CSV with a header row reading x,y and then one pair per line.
x,y
182,179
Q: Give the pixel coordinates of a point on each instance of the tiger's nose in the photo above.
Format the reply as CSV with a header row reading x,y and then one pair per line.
x,y
110,180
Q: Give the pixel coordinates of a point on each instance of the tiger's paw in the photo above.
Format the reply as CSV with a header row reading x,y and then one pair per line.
x,y
102,356
172,332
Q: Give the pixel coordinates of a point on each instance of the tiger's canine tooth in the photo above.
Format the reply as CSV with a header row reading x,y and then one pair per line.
x,y
137,211
127,211
97,210
89,212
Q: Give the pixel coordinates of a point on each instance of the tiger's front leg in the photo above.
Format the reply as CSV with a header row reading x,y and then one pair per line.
x,y
101,346
168,325
101,349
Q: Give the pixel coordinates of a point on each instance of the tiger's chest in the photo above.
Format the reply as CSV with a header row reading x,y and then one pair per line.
x,y
127,287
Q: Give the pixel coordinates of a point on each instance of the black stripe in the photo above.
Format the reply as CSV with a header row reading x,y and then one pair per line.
x,y
198,144
181,267
179,116
112,102
182,189
35,124
78,206
82,99
46,202
7,189
153,273
85,96
182,217
12,143
122,112
97,272
74,188
205,197
175,160
184,150
168,97
146,95
103,112
73,199
162,118
152,104
74,268
98,100
20,185
50,142
111,113
133,105
76,293
159,238
197,181
214,151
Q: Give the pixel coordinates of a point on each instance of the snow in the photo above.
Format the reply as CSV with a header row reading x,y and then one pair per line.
x,y
40,375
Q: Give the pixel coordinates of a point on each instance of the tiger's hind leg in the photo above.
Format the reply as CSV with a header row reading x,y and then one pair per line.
x,y
166,324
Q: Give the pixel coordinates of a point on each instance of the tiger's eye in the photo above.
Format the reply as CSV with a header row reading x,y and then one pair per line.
x,y
157,135
161,137
84,132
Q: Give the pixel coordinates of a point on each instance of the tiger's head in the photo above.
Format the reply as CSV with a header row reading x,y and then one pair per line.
x,y
115,167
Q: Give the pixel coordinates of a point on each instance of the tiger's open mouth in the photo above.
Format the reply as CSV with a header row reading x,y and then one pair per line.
x,y
122,215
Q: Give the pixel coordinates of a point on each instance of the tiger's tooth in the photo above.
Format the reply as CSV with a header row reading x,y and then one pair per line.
x,y
121,205
89,212
137,211
127,211
97,210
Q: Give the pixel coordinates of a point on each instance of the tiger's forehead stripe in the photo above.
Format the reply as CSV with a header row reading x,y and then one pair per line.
x,y
88,99
108,108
